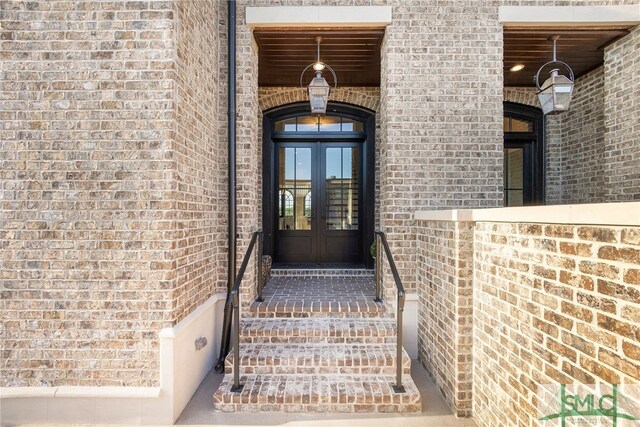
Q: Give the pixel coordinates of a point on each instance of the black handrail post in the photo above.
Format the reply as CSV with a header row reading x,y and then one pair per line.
x,y
382,240
237,387
378,270
234,294
260,275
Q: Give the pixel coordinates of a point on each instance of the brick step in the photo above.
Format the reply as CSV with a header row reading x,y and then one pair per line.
x,y
318,330
357,308
303,359
317,393
321,272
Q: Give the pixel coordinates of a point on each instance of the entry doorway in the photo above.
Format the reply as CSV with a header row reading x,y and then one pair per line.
x,y
318,186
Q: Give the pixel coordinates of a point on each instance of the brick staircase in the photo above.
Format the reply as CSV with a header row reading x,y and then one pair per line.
x,y
318,343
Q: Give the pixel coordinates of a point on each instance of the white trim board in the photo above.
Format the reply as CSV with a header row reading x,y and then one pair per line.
x,y
317,16
569,16
621,214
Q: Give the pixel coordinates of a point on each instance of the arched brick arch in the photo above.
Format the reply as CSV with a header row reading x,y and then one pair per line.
x,y
367,97
521,95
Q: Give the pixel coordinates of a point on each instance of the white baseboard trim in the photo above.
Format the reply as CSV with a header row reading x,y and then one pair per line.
x,y
182,369
410,323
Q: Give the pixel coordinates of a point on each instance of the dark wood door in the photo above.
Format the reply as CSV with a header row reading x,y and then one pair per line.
x,y
318,190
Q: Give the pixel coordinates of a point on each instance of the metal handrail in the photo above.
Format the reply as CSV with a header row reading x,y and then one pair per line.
x,y
381,240
235,296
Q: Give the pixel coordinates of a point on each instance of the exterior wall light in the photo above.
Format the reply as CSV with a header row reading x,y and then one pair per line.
x,y
555,93
319,89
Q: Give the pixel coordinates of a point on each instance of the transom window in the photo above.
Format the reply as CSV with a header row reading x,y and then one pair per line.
x,y
512,124
318,124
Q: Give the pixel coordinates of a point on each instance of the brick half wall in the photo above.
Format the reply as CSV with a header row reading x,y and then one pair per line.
x,y
553,303
444,275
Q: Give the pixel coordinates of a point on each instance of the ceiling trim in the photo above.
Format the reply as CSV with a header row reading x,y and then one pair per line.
x,y
317,16
568,16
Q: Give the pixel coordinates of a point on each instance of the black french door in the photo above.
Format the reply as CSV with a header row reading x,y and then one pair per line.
x,y
518,173
318,202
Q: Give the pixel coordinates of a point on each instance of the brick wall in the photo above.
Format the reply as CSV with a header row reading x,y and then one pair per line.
x,y
622,118
108,185
583,142
441,122
445,272
552,304
222,159
249,147
574,142
87,259
553,148
592,149
199,205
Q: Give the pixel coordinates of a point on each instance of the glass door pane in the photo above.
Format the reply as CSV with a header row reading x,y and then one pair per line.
x,y
294,188
341,188
513,176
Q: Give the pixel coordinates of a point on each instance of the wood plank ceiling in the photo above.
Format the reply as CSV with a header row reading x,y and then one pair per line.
x,y
582,49
355,53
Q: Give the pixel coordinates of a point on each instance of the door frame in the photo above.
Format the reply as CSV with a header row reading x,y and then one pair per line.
x,y
537,164
366,138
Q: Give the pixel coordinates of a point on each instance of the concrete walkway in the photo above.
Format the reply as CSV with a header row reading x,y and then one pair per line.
x,y
435,412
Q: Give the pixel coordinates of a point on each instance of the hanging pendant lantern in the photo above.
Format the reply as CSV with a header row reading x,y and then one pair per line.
x,y
555,93
319,90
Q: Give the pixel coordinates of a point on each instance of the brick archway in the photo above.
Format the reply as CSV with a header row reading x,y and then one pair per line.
x,y
271,97
521,95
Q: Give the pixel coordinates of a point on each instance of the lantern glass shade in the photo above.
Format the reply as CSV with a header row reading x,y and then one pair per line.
x,y
318,94
555,94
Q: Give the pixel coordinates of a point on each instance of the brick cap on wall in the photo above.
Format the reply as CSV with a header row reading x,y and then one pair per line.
x,y
569,15
317,16
592,214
